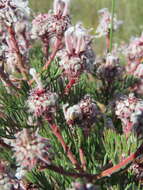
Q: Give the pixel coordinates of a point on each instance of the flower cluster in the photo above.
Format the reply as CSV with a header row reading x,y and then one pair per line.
x,y
15,32
12,11
51,25
134,54
77,56
137,169
7,180
81,186
110,70
40,101
85,113
130,111
104,27
30,149
134,51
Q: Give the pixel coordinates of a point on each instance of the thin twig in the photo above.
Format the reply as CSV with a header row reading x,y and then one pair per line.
x,y
5,78
17,51
51,58
108,42
82,159
57,133
105,173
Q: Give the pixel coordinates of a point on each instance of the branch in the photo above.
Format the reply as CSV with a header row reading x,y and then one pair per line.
x,y
82,159
52,56
17,51
5,78
106,173
57,133
58,43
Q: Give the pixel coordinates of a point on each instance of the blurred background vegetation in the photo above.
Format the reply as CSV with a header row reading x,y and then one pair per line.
x,y
130,11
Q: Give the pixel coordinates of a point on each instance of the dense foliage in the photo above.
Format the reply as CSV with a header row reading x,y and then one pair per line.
x,y
69,119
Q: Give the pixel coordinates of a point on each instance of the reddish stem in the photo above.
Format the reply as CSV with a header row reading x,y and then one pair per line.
x,y
5,78
82,159
108,41
15,47
57,133
103,174
122,164
51,58
69,86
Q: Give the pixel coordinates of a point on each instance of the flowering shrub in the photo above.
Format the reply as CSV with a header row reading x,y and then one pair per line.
x,y
69,118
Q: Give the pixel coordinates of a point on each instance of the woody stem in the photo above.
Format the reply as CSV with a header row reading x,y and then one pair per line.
x,y
17,51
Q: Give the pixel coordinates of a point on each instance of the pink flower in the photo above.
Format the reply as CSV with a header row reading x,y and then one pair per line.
x,y
85,113
77,56
61,7
104,26
48,26
130,110
30,149
110,70
76,40
40,101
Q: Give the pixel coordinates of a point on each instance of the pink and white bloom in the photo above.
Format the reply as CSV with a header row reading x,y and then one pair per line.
x,y
134,51
40,101
85,113
12,11
77,56
61,7
129,110
30,149
53,24
105,24
110,70
76,39
82,186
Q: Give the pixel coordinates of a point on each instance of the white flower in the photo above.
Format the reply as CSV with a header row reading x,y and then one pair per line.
x,y
134,51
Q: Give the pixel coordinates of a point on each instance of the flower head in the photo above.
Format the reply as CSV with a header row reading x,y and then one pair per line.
x,y
105,24
12,11
30,149
130,111
134,51
137,170
77,56
7,179
51,25
40,101
76,40
110,70
85,113
82,186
